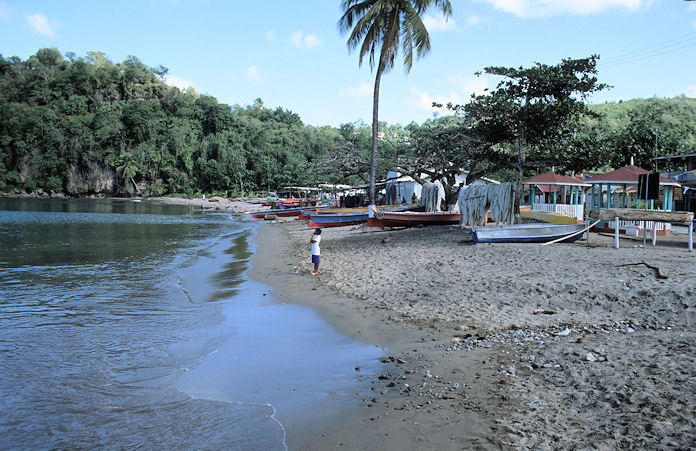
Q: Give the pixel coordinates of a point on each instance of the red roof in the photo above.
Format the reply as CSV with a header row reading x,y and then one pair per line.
x,y
548,188
628,175
551,178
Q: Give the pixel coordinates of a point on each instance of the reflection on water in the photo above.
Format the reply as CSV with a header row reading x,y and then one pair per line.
x,y
104,305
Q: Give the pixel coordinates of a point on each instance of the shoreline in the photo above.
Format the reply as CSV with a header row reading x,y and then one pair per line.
x,y
398,415
500,345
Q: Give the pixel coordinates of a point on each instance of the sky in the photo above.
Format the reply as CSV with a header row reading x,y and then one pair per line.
x,y
291,53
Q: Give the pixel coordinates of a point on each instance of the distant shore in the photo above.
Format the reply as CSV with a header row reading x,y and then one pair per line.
x,y
500,345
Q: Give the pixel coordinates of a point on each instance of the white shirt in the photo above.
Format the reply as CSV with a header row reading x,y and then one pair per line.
x,y
315,244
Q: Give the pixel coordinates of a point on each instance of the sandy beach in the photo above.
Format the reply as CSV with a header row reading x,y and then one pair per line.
x,y
500,345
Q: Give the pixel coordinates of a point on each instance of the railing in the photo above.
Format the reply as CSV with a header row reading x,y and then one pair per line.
x,y
573,211
641,225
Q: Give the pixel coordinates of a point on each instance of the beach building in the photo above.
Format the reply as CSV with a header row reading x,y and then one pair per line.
x,y
618,189
682,168
556,193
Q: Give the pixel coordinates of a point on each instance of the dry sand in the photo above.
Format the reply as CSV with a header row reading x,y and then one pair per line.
x,y
610,363
500,345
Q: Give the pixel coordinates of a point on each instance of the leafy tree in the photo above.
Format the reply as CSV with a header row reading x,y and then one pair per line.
x,y
384,26
441,150
532,110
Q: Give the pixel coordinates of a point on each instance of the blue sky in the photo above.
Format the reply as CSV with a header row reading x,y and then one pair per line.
x,y
291,54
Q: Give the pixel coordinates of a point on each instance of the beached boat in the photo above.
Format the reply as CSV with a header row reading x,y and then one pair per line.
x,y
353,210
526,233
336,219
285,212
412,218
305,212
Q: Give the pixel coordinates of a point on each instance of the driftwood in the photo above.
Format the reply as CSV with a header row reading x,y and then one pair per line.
x,y
631,214
658,271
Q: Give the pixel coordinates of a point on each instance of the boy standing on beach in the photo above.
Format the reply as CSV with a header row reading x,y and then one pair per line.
x,y
316,238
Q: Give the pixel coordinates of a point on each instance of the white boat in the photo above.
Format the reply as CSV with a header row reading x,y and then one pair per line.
x,y
526,233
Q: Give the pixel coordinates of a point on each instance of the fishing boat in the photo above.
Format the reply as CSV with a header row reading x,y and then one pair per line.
x,y
526,233
305,212
412,218
353,210
281,213
336,219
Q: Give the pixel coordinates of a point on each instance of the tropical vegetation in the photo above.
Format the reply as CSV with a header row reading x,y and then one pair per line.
x,y
85,125
384,26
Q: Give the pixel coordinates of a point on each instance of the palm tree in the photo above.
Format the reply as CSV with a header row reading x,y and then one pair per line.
x,y
128,169
384,26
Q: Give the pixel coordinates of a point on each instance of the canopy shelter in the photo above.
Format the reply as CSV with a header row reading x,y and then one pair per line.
x,y
604,194
557,193
681,168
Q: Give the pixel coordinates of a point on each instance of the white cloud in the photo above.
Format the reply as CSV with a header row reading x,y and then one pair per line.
x,y
180,82
460,90
270,35
474,19
362,90
469,85
40,24
438,24
545,8
254,75
691,91
302,41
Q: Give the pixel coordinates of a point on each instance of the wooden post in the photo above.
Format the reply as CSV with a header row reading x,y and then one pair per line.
x,y
691,236
625,197
654,235
616,232
671,196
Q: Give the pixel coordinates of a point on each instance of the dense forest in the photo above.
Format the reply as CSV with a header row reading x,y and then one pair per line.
x,y
85,125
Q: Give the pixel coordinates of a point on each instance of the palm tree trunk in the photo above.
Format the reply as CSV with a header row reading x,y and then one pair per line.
x,y
375,131
136,186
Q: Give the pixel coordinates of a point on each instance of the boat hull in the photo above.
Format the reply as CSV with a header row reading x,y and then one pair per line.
x,y
526,233
280,213
336,219
352,210
411,219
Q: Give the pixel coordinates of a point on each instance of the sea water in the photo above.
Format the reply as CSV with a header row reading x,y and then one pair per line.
x,y
127,324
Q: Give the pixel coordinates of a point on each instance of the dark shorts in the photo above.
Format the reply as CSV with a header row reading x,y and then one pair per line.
x,y
315,259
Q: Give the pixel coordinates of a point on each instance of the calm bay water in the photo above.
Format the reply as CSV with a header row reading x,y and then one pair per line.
x,y
128,324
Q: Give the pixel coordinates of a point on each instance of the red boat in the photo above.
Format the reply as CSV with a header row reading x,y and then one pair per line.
x,y
412,218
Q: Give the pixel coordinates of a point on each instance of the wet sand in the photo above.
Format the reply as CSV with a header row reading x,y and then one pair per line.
x,y
500,345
